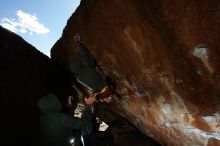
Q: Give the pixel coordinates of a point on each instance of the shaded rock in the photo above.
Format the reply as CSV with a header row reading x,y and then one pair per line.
x,y
125,134
164,59
25,75
121,133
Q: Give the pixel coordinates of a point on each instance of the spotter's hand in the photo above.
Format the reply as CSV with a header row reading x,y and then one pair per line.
x,y
89,101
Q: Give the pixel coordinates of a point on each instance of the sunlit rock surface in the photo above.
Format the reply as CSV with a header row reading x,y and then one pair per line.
x,y
164,59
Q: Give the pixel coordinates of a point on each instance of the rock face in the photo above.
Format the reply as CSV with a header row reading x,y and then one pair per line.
x,y
25,75
163,57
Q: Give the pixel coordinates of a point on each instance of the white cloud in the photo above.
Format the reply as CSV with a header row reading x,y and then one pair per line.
x,y
25,23
22,30
9,27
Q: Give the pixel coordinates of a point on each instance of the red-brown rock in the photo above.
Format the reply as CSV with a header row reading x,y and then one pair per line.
x,y
163,57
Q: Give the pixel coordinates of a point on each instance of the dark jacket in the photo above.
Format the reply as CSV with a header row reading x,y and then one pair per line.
x,y
56,127
86,70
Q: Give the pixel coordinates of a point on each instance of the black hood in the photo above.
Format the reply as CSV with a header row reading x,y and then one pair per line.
x,y
49,104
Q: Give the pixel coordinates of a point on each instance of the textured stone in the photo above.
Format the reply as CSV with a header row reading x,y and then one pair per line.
x,y
163,57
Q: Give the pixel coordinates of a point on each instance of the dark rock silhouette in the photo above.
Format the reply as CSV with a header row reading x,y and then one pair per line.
x,y
163,57
25,75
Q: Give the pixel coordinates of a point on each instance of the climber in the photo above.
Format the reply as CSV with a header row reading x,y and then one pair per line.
x,y
88,73
57,127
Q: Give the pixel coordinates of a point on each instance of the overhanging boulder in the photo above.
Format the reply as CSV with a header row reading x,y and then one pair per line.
x,y
163,57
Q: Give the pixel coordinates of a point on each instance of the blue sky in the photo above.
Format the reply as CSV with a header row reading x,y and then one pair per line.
x,y
39,22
